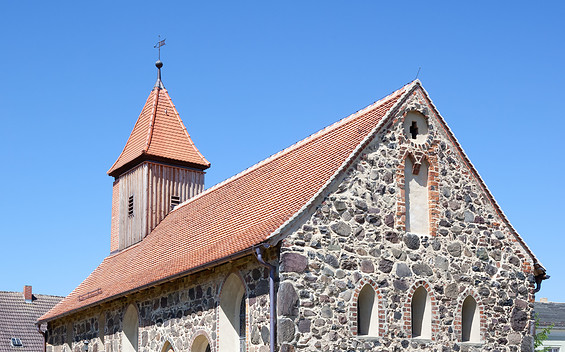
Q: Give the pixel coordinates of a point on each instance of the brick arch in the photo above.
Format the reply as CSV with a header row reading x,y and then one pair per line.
x,y
380,307
417,157
407,310
206,335
168,342
459,313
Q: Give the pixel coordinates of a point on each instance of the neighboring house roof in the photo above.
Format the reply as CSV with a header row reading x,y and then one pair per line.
x,y
17,319
244,211
159,135
550,313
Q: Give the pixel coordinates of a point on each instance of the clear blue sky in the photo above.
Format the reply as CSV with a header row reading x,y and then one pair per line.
x,y
250,78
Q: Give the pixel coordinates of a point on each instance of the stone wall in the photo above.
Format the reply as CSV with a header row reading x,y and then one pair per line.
x,y
176,312
357,236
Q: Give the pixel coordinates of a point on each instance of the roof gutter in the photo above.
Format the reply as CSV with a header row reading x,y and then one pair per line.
x,y
223,260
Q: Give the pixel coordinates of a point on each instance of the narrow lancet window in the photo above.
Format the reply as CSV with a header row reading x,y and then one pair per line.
x,y
470,321
130,330
421,314
416,190
367,314
232,315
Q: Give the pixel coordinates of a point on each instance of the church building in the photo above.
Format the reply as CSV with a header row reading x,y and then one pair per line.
x,y
374,234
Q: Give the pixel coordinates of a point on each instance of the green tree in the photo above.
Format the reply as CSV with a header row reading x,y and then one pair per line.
x,y
542,335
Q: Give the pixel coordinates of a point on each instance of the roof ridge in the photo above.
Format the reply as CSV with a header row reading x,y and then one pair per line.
x,y
295,146
133,129
152,121
407,88
168,97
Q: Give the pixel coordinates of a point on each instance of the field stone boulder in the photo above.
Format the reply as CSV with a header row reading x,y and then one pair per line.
x,y
518,319
293,262
454,249
285,329
287,300
341,228
412,241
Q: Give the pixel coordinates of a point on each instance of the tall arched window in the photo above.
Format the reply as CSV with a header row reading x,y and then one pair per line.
x,y
416,191
200,344
421,314
130,330
367,312
232,315
470,321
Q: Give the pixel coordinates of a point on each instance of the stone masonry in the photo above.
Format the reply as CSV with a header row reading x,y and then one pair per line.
x,y
357,236
175,312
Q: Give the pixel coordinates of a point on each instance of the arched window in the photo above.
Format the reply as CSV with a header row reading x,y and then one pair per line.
x,y
470,321
200,344
367,312
130,330
167,347
232,315
421,314
416,190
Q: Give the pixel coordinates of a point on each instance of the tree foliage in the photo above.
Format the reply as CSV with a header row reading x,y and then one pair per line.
x,y
541,336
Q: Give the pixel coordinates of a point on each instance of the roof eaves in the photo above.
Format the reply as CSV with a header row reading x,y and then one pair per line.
x,y
219,261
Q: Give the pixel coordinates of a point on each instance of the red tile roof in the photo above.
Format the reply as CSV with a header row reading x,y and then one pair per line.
x,y
159,134
232,216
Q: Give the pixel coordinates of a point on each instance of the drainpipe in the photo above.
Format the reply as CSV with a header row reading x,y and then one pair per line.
x,y
272,298
42,334
539,278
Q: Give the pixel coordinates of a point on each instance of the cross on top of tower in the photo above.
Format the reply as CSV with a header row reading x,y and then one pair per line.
x,y
158,46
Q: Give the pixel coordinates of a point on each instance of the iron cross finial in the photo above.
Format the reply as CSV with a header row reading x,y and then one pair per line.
x,y
159,44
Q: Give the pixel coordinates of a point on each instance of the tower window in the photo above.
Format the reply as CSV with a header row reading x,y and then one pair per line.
x,y
175,200
130,206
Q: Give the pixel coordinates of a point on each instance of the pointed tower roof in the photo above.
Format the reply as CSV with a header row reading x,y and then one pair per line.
x,y
159,134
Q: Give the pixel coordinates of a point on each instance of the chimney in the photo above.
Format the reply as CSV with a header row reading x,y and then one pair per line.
x,y
27,294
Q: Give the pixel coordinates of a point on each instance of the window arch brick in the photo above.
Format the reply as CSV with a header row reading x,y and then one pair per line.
x,y
407,309
458,324
197,334
353,310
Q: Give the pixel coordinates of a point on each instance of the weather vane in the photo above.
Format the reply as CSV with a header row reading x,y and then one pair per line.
x,y
159,44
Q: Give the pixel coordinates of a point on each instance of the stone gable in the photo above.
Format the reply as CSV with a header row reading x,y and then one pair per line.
x,y
357,235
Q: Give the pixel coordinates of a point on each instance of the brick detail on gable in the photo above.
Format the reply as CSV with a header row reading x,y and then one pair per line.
x,y
459,310
353,310
407,309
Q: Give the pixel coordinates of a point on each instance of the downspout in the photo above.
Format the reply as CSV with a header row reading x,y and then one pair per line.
x,y
43,333
272,298
539,278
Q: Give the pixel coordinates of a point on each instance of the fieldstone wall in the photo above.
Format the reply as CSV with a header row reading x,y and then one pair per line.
x,y
176,312
357,236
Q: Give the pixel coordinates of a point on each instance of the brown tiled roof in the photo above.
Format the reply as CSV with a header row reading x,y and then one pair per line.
x,y
159,134
17,319
232,216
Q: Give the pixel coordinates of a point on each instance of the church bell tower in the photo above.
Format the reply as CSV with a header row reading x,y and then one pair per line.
x,y
159,168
